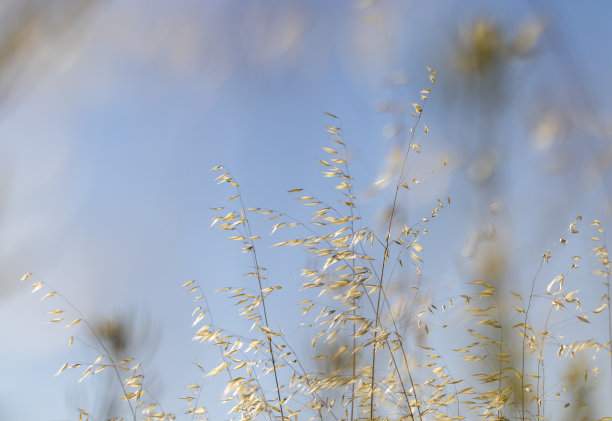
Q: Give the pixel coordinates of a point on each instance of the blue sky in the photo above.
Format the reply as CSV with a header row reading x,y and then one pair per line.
x,y
108,133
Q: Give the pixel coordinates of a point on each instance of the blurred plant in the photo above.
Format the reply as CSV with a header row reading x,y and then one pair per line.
x,y
123,336
484,48
576,376
27,29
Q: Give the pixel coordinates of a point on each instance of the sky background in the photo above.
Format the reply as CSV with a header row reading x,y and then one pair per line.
x,y
111,117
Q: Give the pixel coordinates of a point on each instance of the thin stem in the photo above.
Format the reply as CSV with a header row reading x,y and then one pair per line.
x,y
533,281
100,342
386,255
263,301
351,199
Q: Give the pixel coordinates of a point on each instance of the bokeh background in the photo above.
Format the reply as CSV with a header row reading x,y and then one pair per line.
x,y
112,113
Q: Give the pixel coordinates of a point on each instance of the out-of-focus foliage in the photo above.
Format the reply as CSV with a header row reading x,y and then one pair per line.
x,y
484,47
32,33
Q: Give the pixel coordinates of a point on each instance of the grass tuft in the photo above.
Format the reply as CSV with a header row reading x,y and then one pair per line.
x,y
382,348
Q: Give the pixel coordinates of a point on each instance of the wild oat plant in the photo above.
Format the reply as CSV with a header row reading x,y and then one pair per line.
x,y
381,348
